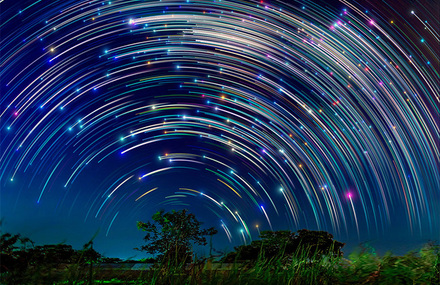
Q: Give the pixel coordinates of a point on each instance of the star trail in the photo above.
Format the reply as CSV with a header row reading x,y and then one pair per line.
x,y
255,115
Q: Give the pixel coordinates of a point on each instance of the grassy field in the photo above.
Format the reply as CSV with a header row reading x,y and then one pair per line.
x,y
361,267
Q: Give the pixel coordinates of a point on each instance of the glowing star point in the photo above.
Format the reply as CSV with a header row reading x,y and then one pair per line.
x,y
305,116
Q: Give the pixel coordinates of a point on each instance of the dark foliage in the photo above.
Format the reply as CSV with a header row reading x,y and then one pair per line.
x,y
14,251
172,234
279,244
23,263
111,260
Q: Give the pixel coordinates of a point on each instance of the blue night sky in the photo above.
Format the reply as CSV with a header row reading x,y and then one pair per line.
x,y
253,115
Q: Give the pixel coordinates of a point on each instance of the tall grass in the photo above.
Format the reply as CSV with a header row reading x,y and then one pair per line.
x,y
361,267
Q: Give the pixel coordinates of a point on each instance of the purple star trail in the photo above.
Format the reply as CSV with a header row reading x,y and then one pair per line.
x,y
254,115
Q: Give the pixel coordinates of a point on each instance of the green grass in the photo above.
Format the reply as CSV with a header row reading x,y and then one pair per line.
x,y
361,267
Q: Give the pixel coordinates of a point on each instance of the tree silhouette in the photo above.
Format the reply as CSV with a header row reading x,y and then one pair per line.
x,y
318,243
14,251
285,244
172,234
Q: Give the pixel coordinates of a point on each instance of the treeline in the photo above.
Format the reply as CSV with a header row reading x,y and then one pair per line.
x,y
18,253
286,244
278,257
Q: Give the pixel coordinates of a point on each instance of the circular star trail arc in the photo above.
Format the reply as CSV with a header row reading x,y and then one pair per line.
x,y
260,112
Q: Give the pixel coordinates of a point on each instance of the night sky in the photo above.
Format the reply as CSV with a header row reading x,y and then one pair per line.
x,y
254,115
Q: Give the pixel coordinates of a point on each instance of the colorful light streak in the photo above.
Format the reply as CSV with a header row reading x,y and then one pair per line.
x,y
249,96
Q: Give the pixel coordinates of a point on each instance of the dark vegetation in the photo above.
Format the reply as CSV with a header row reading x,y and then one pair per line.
x,y
172,234
279,257
285,245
